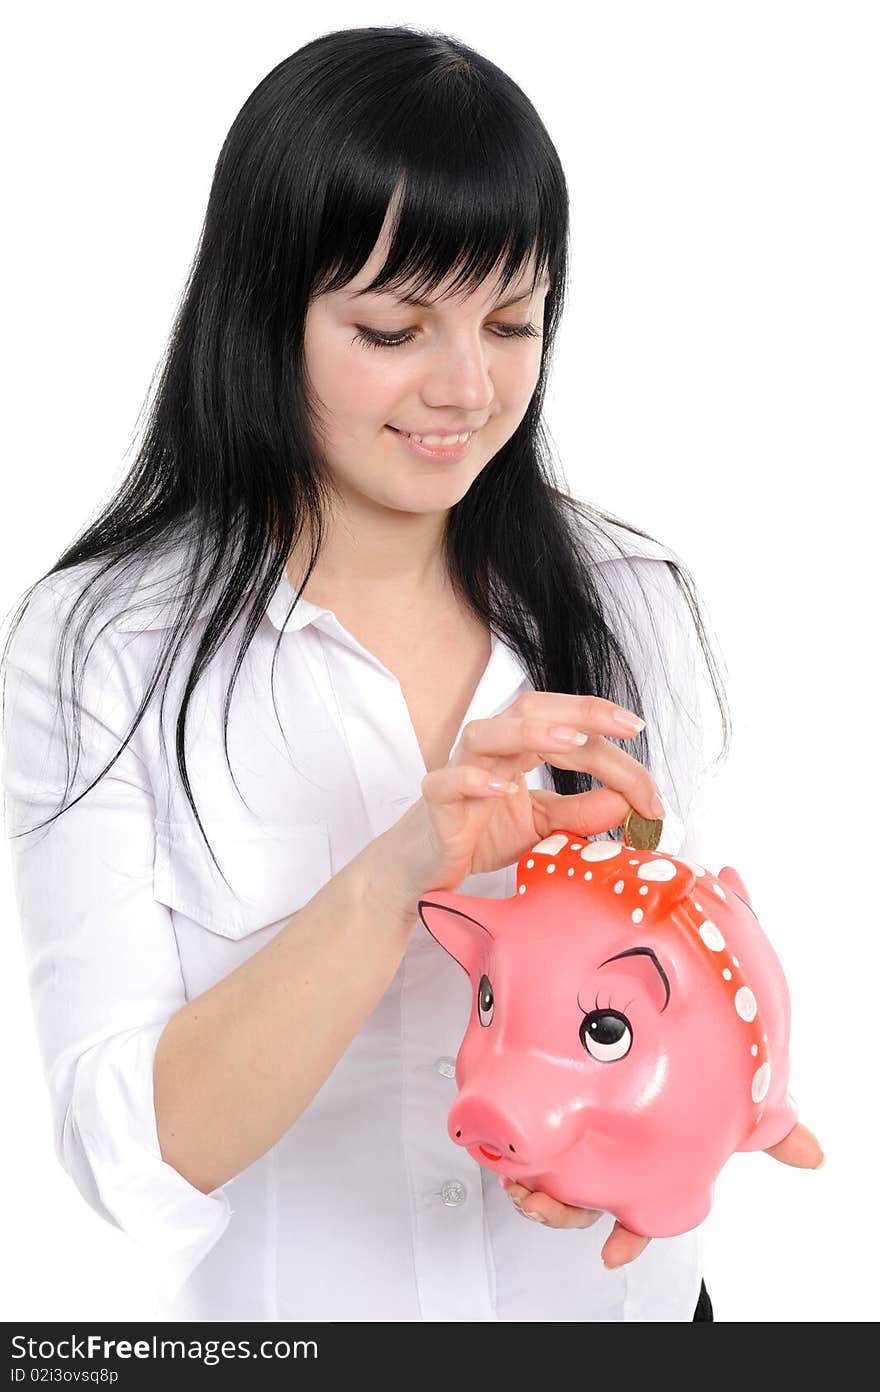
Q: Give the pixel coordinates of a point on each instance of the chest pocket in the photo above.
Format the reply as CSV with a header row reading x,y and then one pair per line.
x,y
272,869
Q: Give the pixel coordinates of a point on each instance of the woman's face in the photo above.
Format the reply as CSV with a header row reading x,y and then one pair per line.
x,y
461,369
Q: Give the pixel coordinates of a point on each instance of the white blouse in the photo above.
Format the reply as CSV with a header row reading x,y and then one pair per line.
x,y
364,1209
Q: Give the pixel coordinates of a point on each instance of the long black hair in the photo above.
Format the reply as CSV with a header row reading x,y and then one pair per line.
x,y
229,463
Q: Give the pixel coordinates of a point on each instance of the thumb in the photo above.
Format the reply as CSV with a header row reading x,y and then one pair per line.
x,y
586,814
799,1148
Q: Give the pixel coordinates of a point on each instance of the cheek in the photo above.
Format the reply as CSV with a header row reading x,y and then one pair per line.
x,y
523,371
513,373
352,383
365,387
372,381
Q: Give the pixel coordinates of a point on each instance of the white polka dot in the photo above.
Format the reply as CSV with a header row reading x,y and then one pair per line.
x,y
727,974
618,888
734,961
719,891
644,889
765,1039
711,936
571,872
601,850
698,907
761,1083
529,864
522,889
637,915
576,845
754,1049
551,845
588,874
746,1007
550,868
657,870
634,862
697,869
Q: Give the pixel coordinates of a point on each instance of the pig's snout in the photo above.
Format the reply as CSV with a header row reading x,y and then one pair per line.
x,y
485,1130
493,1133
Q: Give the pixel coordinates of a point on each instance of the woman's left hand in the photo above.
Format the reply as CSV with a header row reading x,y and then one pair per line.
x,y
799,1148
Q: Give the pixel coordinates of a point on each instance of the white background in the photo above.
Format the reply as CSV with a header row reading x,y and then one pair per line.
x,y
715,383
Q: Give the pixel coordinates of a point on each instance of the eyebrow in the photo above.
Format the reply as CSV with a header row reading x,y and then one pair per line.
x,y
421,303
646,952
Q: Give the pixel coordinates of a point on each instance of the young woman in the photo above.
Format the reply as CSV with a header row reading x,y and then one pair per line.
x,y
369,652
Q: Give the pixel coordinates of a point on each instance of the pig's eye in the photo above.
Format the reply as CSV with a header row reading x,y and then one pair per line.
x,y
606,1035
485,1001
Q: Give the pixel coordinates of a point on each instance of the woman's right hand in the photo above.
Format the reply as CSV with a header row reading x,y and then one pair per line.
x,y
463,826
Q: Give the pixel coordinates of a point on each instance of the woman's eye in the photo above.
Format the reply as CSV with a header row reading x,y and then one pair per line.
x,y
374,339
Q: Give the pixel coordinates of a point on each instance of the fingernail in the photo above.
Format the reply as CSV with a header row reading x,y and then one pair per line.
x,y
538,1217
821,1163
610,1266
502,785
625,717
568,734
657,807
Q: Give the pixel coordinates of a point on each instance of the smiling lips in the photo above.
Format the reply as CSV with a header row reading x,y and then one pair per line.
x,y
443,452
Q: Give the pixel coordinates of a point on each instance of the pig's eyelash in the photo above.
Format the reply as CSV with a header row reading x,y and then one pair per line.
x,y
609,1005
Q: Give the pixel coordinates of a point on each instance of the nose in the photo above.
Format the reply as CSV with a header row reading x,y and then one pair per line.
x,y
459,379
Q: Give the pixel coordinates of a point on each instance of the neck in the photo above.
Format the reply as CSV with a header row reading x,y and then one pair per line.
x,y
374,558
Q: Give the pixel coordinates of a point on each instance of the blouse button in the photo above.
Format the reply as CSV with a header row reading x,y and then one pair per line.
x,y
453,1192
446,1066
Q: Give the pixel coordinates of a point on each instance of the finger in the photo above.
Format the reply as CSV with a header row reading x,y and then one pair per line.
x,y
540,1206
448,786
559,1215
623,1246
529,742
514,735
591,713
799,1148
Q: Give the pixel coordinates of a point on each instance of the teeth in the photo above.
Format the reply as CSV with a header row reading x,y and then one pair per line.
x,y
440,440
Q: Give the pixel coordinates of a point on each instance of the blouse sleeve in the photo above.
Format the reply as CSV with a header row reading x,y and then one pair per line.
x,y
104,973
683,726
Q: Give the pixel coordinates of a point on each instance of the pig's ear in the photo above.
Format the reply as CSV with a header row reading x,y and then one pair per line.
x,y
462,924
728,876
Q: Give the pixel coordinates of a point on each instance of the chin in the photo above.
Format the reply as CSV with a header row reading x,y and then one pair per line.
x,y
431,493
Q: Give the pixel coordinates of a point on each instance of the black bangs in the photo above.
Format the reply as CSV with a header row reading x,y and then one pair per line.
x,y
434,238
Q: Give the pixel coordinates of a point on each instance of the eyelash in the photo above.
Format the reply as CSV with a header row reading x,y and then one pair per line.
x,y
372,339
608,1006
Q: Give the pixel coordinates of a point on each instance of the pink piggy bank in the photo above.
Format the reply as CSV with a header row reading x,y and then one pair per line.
x,y
629,1030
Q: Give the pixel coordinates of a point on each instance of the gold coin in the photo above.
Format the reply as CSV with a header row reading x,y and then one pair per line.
x,y
642,833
